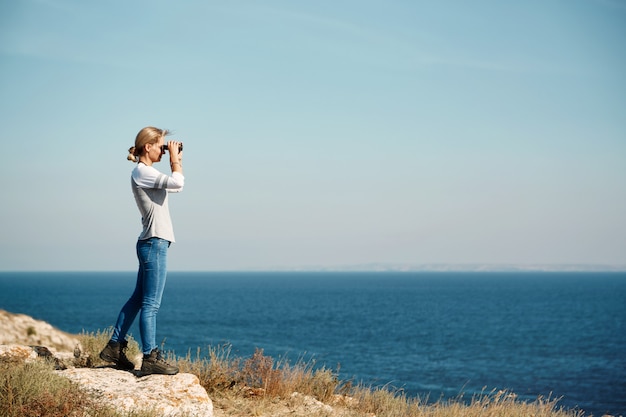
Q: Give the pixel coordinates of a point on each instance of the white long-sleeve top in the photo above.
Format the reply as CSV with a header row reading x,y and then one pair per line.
x,y
150,188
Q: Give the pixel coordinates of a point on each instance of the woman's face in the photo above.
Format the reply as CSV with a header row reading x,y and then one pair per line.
x,y
155,151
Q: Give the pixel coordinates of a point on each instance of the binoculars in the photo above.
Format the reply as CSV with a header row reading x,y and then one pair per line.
x,y
180,148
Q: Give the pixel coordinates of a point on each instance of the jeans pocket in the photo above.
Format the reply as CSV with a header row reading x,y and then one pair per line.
x,y
145,251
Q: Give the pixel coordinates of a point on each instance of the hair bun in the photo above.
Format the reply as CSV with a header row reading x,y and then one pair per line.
x,y
131,154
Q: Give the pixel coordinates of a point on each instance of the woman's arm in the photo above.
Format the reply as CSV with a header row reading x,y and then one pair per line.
x,y
149,177
176,164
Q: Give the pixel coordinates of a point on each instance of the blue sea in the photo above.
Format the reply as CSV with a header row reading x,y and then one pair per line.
x,y
436,335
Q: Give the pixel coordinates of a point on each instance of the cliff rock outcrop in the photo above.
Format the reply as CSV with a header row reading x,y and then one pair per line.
x,y
25,330
167,395
23,338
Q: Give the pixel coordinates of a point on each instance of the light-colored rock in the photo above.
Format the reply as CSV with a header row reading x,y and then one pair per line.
x,y
168,395
25,330
20,353
23,338
311,404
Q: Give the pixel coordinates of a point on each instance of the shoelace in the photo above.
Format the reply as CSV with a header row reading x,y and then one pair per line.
x,y
160,358
123,347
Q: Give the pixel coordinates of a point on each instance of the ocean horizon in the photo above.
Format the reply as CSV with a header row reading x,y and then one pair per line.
x,y
435,335
377,267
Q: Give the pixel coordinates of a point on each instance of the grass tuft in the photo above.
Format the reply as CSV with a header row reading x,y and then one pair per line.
x,y
33,389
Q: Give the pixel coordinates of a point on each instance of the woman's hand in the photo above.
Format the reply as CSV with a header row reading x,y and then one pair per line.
x,y
176,155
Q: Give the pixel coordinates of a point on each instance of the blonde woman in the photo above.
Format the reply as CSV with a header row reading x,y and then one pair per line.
x,y
150,188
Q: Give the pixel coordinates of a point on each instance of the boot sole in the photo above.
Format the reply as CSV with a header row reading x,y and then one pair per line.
x,y
145,373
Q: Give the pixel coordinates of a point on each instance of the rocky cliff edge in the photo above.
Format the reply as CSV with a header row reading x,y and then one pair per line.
x,y
24,338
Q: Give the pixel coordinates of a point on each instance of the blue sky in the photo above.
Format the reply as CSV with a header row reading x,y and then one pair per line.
x,y
318,134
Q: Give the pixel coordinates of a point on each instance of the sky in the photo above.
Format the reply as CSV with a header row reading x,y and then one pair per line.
x,y
318,134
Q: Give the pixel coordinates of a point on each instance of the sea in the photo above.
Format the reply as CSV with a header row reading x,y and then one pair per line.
x,y
431,335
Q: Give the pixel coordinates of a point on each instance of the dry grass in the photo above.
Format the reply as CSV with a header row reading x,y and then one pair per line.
x,y
33,389
383,403
259,386
254,386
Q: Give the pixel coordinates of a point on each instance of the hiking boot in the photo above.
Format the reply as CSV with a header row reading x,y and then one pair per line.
x,y
155,364
116,352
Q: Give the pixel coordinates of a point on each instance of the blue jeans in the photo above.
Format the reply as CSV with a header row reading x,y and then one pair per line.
x,y
152,255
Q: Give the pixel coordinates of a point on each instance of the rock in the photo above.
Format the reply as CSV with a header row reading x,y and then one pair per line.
x,y
25,330
24,339
17,353
167,395
312,405
125,392
21,353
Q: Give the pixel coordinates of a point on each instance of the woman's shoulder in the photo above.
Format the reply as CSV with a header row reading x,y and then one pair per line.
x,y
145,172
143,169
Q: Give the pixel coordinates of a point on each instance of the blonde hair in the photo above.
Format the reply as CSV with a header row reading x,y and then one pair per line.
x,y
145,136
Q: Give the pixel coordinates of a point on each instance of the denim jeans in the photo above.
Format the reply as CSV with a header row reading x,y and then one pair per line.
x,y
152,255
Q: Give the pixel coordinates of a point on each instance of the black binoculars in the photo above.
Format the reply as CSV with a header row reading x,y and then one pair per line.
x,y
180,148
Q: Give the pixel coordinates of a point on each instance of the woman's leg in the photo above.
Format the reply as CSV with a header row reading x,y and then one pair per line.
x,y
152,255
114,351
129,310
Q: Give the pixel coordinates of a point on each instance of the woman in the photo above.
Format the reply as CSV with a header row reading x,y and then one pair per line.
x,y
150,188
